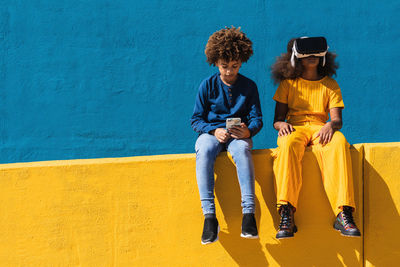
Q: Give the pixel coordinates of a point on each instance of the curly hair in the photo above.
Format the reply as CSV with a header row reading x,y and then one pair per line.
x,y
228,44
282,69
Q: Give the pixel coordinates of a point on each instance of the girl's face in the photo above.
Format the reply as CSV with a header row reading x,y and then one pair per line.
x,y
310,62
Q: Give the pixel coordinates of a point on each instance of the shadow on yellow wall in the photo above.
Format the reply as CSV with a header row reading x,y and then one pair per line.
x,y
244,252
315,243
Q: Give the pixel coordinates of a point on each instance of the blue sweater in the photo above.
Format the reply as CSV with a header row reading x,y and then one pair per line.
x,y
215,102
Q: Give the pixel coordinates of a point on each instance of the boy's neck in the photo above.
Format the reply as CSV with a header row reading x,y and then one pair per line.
x,y
230,82
311,75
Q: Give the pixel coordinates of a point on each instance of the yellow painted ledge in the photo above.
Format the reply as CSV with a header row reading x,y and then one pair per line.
x,y
75,162
145,211
382,197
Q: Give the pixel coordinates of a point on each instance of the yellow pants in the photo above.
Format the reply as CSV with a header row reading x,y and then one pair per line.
x,y
333,159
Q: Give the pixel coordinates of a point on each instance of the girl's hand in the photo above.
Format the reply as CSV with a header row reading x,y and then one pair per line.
x,y
221,134
283,128
326,133
280,125
240,132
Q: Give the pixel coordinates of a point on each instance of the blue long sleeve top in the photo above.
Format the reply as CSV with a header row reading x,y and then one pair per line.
x,y
215,102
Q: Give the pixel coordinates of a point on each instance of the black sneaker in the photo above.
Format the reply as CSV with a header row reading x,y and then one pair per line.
x,y
249,226
287,227
345,223
210,230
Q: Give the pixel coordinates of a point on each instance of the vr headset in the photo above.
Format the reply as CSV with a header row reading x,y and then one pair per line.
x,y
309,46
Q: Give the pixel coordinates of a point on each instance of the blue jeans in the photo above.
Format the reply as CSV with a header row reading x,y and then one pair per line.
x,y
207,149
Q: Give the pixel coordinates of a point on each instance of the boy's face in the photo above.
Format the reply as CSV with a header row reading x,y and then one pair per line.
x,y
228,70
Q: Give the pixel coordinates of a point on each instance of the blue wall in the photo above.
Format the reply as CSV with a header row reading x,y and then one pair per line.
x,y
113,78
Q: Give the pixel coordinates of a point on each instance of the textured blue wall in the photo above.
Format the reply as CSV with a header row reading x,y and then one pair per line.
x,y
112,78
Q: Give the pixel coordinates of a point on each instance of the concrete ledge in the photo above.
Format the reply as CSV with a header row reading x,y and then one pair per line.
x,y
382,197
145,211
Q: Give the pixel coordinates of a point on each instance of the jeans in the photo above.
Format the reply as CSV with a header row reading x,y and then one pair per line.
x,y
207,149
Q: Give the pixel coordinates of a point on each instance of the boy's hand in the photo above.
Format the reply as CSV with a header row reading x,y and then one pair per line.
x,y
221,134
283,128
326,133
240,132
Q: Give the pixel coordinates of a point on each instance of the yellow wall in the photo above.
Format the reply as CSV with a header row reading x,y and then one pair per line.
x,y
145,211
382,197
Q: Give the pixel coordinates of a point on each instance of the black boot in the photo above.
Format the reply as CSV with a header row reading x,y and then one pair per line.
x,y
210,229
287,227
345,223
249,226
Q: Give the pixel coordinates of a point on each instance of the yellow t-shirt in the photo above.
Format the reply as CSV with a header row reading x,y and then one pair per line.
x,y
309,101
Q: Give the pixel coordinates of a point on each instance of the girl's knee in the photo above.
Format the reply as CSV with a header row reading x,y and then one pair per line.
x,y
289,143
339,139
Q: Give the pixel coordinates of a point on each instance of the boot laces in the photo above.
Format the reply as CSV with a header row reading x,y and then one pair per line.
x,y
286,218
348,216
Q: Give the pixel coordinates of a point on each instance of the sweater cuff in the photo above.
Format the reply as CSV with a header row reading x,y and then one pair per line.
x,y
252,132
209,128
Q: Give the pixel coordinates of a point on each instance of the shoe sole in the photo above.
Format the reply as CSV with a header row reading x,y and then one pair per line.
x,y
337,228
249,236
287,237
347,235
210,242
356,236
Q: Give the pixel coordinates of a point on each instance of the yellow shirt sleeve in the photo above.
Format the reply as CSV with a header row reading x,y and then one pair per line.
x,y
282,93
335,97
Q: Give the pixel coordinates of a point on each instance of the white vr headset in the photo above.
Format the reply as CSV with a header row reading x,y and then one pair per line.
x,y
309,46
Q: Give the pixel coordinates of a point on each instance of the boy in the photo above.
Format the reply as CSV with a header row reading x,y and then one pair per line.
x,y
226,94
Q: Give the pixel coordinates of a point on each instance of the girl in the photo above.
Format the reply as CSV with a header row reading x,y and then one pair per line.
x,y
305,98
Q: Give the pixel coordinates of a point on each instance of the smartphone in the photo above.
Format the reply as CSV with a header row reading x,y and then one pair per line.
x,y
230,122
